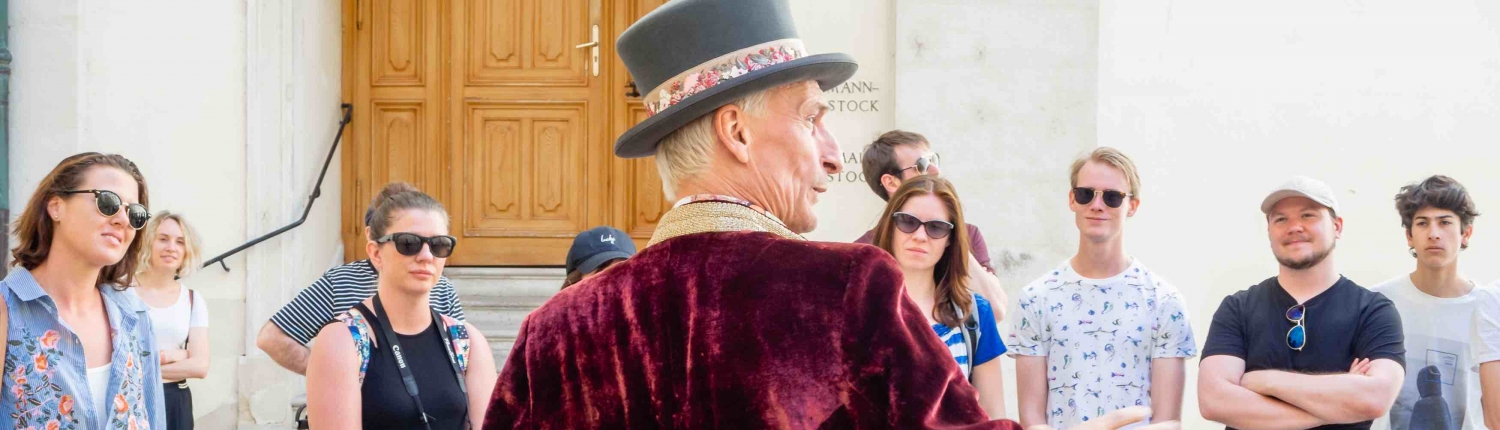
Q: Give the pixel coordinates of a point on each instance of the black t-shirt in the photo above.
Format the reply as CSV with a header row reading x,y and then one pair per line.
x,y
386,404
1343,323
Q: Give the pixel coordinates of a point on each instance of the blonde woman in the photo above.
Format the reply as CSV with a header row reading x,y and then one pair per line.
x,y
180,316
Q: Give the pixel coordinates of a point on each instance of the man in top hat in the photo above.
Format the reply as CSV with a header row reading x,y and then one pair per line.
x,y
729,318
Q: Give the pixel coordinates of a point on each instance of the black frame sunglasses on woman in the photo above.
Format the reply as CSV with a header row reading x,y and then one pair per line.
x,y
1085,195
410,244
908,223
109,204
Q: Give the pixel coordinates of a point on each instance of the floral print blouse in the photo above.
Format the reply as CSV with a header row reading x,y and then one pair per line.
x,y
45,384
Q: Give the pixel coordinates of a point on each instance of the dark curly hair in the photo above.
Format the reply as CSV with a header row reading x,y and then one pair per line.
x,y
1438,192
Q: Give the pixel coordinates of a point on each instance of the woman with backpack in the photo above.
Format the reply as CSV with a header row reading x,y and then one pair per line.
x,y
392,362
179,315
923,228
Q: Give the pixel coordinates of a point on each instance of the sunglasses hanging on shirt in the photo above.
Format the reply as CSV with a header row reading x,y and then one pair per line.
x,y
1296,338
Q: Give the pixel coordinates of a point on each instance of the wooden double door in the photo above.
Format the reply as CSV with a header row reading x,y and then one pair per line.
x,y
506,111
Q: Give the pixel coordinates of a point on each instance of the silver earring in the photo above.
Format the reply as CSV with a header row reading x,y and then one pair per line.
x,y
1413,252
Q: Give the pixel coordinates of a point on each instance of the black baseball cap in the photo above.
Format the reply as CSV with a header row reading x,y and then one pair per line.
x,y
596,246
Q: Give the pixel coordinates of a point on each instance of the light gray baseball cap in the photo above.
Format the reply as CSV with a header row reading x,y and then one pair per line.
x,y
1301,186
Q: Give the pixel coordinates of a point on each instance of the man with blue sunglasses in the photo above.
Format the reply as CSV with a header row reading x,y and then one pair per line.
x,y
1307,348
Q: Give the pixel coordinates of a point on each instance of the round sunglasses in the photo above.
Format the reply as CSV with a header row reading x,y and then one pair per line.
x,y
1296,338
109,204
410,244
1112,198
924,163
908,223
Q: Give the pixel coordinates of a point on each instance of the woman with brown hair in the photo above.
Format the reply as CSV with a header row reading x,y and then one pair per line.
x,y
81,351
392,361
923,228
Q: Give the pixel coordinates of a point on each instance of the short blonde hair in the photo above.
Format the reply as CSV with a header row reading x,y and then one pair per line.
x,y
1114,158
192,255
687,151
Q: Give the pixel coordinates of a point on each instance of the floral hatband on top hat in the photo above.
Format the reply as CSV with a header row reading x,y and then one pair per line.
x,y
695,56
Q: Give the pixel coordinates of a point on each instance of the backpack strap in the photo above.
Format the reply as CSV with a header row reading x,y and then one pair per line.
x,y
458,334
970,334
359,329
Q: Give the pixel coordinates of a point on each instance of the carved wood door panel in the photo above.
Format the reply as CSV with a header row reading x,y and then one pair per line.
x,y
491,106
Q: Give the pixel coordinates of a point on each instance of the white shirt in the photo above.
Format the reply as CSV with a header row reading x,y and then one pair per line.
x,y
98,386
1099,336
1441,383
171,324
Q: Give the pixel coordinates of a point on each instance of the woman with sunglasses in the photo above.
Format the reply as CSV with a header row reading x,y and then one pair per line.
x,y
923,228
81,353
178,314
392,362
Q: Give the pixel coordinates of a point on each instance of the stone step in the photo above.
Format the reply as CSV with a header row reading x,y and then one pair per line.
x,y
497,299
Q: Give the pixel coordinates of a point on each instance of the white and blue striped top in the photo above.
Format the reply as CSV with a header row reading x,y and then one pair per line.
x,y
988,346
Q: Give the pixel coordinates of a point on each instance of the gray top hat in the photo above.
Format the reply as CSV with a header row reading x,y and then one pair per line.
x,y
689,57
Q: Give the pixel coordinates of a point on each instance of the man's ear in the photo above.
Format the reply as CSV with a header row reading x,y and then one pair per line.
x,y
731,131
891,183
1135,204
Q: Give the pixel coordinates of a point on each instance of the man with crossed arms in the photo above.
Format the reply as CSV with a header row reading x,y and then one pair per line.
x,y
1307,348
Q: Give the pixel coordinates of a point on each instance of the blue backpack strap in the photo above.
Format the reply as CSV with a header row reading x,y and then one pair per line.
x,y
359,329
458,333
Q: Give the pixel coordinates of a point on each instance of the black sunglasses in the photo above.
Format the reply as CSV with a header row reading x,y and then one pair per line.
x,y
924,163
909,223
410,244
109,204
1112,198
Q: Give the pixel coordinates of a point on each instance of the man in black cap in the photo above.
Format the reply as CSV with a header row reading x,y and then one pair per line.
x,y
595,250
729,318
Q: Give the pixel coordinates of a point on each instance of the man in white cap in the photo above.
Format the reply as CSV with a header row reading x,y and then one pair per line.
x,y
1307,348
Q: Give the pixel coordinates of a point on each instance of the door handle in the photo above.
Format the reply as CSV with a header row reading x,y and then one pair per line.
x,y
593,48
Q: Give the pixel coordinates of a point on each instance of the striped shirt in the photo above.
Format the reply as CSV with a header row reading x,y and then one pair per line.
x,y
338,290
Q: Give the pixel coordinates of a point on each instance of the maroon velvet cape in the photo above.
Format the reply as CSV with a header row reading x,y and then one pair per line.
x,y
735,330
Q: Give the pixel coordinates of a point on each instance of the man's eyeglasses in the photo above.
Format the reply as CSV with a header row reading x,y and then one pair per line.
x,y
924,163
1112,198
109,204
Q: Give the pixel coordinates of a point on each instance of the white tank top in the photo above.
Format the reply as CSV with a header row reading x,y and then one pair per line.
x,y
98,385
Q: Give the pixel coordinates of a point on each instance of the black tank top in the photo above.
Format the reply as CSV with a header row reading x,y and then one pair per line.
x,y
386,405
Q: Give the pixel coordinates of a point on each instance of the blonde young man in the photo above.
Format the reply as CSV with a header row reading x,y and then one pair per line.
x,y
1307,348
1436,302
1101,331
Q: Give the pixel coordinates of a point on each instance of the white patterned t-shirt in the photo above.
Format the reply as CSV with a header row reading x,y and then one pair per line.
x,y
1099,336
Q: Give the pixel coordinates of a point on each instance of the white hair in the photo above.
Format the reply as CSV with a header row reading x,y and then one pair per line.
x,y
687,151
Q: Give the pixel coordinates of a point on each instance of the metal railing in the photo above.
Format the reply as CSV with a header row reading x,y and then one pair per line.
x,y
316,192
